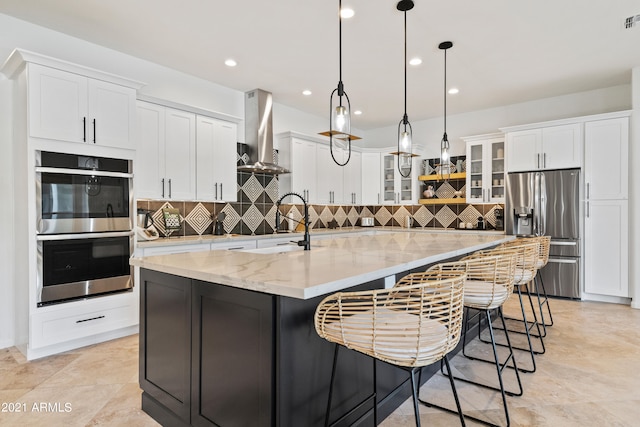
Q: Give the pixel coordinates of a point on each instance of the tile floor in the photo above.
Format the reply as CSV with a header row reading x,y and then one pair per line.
x,y
589,376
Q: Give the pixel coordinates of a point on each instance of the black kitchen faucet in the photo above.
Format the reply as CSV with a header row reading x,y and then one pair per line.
x,y
306,242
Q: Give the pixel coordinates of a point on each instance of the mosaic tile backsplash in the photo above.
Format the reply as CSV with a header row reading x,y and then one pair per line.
x,y
255,212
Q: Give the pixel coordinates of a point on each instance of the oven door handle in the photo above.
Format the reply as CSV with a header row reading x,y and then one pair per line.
x,y
41,237
44,169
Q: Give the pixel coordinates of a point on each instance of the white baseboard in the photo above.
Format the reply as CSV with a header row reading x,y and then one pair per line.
x,y
82,342
606,298
6,343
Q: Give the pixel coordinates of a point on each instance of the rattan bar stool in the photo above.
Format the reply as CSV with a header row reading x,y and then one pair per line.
x,y
544,244
526,260
414,324
541,293
488,285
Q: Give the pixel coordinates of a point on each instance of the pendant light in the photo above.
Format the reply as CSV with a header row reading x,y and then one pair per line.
x,y
405,132
340,111
445,163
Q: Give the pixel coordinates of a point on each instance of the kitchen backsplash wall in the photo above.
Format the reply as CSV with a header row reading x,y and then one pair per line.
x,y
254,213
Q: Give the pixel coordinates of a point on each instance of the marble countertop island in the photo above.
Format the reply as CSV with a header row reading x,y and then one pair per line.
x,y
331,265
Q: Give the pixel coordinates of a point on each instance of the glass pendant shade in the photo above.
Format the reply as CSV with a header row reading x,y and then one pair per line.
x,y
444,156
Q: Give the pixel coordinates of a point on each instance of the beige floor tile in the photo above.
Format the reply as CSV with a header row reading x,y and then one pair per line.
x,y
124,410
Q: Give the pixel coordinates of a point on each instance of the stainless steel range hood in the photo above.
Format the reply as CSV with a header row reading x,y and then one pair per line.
x,y
258,133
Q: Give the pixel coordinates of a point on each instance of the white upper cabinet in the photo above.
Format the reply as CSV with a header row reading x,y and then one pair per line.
x,y
552,147
371,178
216,159
180,155
397,189
329,175
150,157
353,179
606,168
485,169
166,154
298,156
70,107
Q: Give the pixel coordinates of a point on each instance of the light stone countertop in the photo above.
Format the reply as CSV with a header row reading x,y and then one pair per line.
x,y
210,238
331,265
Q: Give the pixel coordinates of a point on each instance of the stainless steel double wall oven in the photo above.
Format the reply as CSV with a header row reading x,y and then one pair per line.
x,y
84,226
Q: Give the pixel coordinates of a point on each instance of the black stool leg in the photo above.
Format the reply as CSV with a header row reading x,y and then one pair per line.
x,y
333,377
414,392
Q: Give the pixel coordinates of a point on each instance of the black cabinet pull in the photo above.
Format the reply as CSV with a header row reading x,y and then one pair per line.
x,y
94,131
84,129
163,188
88,320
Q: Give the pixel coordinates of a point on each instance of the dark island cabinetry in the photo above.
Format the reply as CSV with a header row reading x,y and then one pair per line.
x,y
214,355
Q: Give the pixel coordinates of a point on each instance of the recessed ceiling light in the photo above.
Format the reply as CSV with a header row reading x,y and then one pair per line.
x,y
306,92
415,61
346,13
453,91
230,63
357,112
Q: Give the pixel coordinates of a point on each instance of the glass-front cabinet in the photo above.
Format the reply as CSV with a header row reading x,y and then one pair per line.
x,y
396,188
485,168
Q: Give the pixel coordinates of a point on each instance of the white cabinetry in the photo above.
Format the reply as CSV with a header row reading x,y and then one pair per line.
x,y
540,148
314,175
396,188
70,107
371,178
353,179
167,147
607,207
329,176
216,159
299,156
485,169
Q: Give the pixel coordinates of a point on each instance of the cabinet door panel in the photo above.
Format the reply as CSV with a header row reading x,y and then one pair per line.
x,y
57,104
607,248
371,178
149,166
304,168
165,340
561,147
329,175
225,160
606,169
216,159
113,109
180,148
353,179
523,150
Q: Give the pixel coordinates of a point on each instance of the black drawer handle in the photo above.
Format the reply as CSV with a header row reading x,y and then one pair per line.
x,y
88,320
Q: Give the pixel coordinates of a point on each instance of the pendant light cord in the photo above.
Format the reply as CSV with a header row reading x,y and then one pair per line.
x,y
445,91
340,87
405,118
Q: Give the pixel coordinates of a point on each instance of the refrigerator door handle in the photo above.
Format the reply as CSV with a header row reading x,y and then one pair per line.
x,y
557,243
563,260
536,206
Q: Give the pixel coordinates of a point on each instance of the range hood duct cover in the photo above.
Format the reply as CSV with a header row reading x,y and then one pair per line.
x,y
258,133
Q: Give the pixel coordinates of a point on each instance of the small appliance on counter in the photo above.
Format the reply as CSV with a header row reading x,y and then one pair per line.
x,y
499,214
145,229
480,223
218,224
366,221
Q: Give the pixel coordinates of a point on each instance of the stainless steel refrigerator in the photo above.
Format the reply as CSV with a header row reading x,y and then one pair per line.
x,y
548,203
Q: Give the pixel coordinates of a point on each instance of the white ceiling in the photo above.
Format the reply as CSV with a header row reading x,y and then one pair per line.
x,y
505,51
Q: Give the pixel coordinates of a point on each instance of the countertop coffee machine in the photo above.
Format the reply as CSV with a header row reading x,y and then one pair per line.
x,y
499,214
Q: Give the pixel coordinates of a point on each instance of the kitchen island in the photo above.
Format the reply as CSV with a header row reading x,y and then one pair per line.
x,y
227,337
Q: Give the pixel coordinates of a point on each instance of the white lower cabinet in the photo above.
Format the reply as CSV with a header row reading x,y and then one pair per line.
x,y
606,254
62,323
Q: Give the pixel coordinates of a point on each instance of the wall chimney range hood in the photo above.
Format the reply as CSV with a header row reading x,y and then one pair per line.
x,y
258,133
